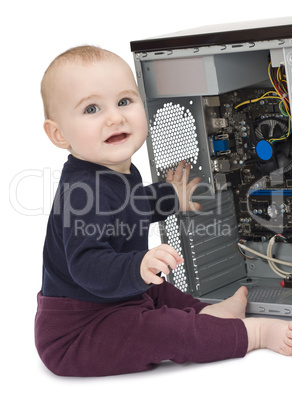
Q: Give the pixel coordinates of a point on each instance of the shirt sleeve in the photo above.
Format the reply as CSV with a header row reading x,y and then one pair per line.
x,y
93,252
163,200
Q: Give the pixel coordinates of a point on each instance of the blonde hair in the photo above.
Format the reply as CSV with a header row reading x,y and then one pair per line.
x,y
85,54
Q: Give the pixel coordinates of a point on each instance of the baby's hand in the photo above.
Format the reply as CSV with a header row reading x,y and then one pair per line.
x,y
159,259
184,189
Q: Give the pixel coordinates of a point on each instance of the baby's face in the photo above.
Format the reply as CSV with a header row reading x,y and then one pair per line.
x,y
99,112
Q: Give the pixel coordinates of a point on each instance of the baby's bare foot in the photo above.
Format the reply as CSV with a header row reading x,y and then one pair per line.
x,y
273,334
233,307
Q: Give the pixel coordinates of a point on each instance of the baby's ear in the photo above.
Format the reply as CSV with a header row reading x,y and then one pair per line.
x,y
54,132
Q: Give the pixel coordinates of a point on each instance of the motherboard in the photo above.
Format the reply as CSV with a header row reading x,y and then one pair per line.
x,y
251,153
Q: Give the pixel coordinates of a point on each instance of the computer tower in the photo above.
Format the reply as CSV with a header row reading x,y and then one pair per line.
x,y
218,98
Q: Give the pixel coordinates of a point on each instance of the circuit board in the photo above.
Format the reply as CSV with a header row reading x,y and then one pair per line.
x,y
251,153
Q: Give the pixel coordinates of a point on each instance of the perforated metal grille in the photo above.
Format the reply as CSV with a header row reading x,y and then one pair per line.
x,y
174,138
179,278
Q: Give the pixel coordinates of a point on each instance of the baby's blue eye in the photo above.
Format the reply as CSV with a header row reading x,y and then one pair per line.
x,y
124,102
91,109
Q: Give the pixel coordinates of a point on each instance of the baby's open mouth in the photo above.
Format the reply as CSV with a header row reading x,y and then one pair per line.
x,y
117,138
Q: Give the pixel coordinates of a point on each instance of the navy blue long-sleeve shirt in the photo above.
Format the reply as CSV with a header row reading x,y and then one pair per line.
x,y
97,232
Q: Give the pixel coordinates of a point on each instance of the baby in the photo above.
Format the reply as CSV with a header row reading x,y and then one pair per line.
x,y
104,308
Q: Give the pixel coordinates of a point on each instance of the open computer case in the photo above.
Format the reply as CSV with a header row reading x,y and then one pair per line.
x,y
218,98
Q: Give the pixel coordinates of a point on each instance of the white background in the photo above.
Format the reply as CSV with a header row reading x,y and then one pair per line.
x,y
32,34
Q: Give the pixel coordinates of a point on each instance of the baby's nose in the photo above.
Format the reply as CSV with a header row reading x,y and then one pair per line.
x,y
115,117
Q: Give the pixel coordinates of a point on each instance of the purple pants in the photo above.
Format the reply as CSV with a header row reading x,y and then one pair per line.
x,y
77,338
